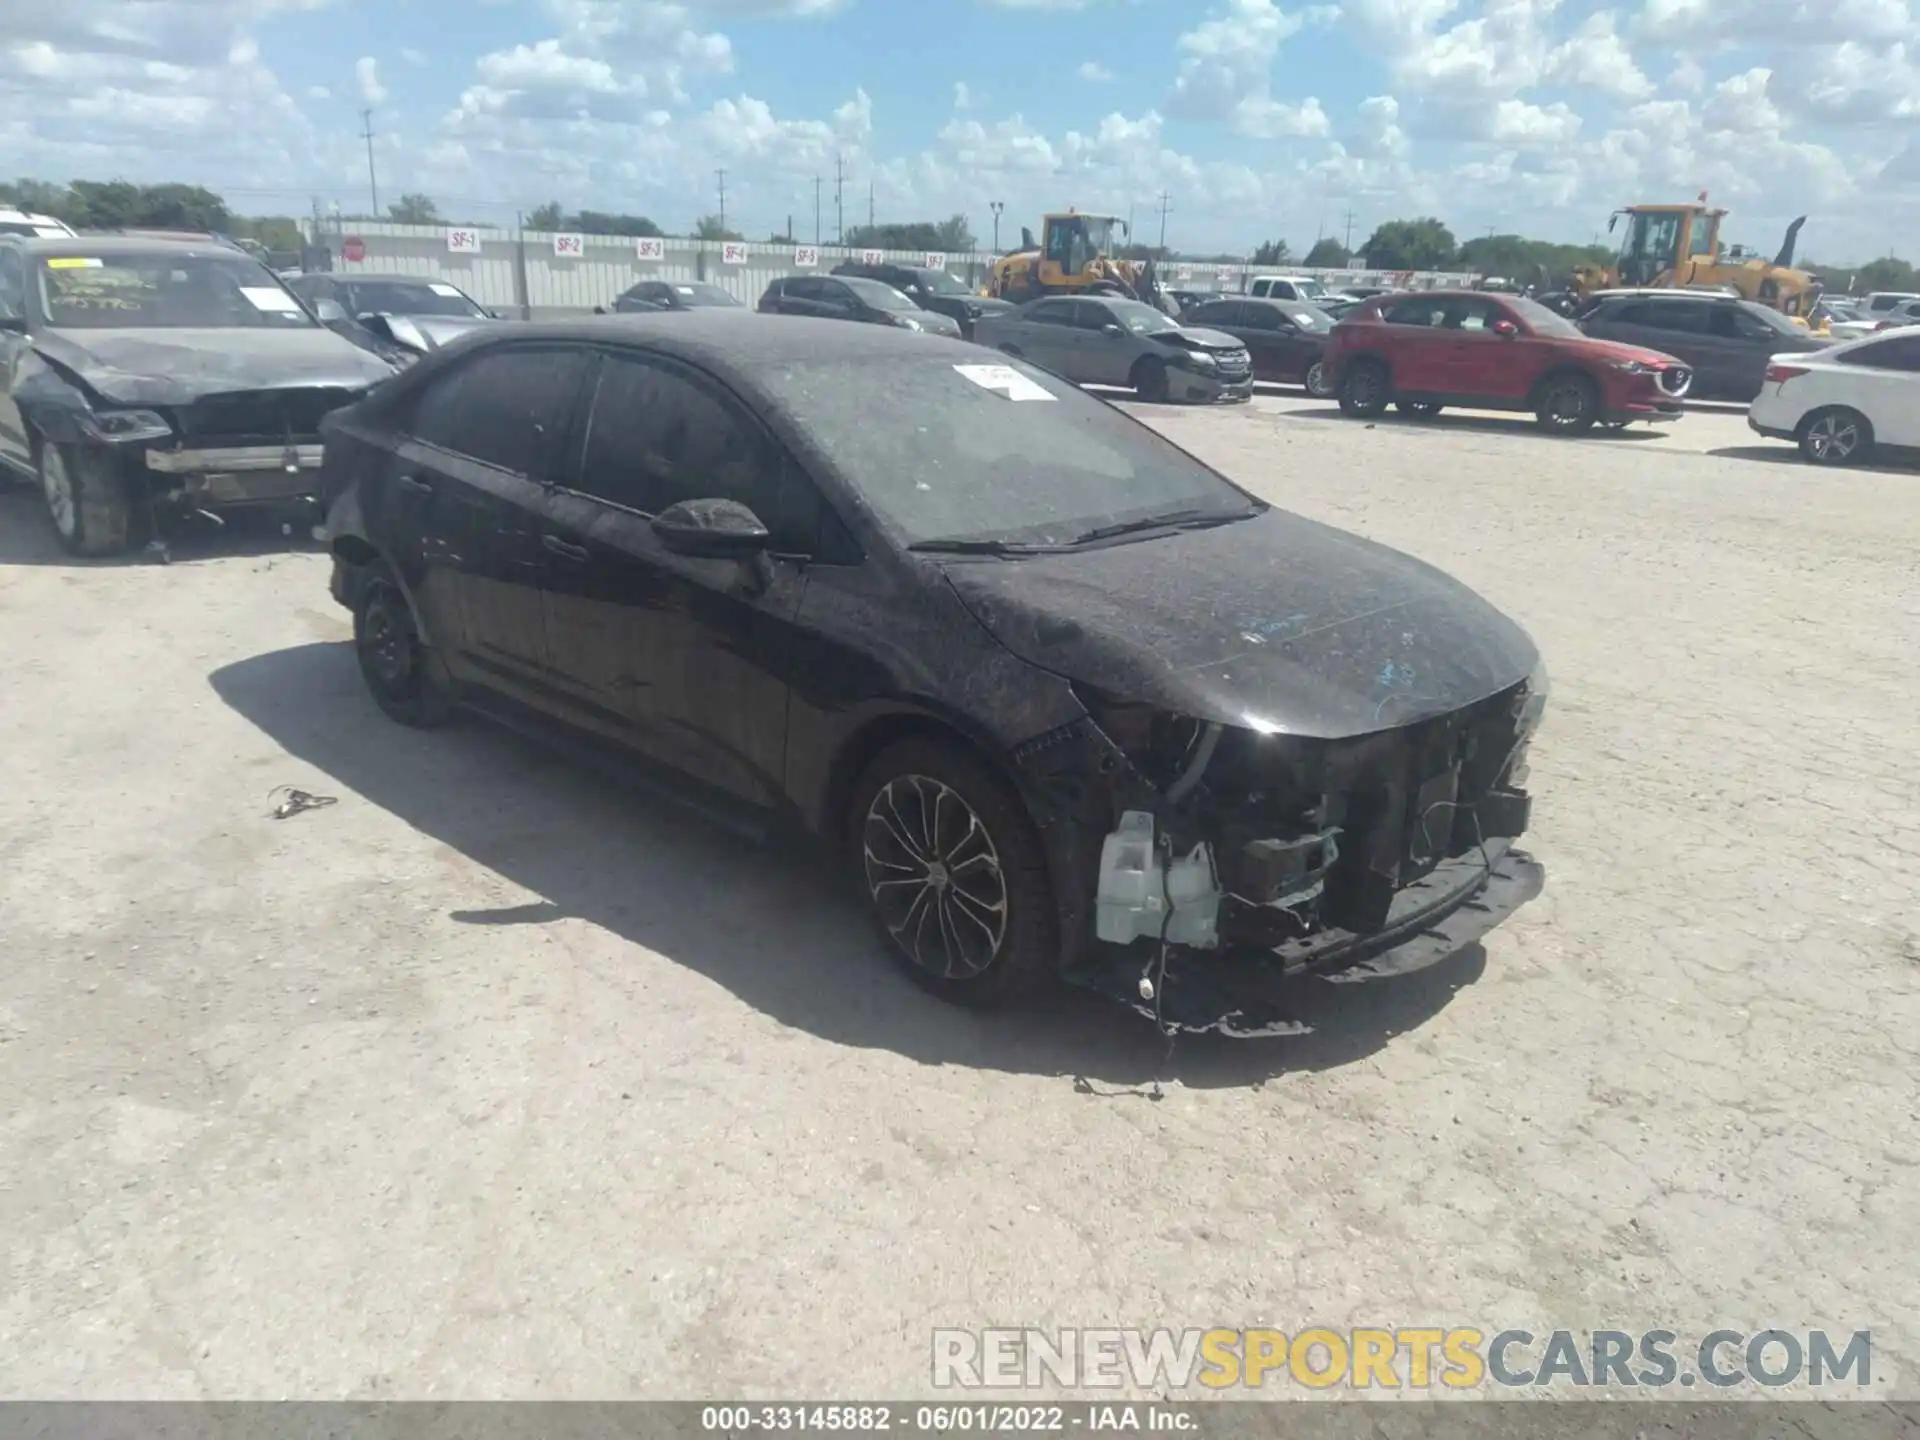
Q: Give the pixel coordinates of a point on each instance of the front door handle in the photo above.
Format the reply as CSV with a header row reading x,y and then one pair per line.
x,y
413,486
561,548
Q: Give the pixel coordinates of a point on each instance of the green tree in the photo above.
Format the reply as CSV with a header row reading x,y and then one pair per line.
x,y
1528,262
949,237
39,197
1423,244
779,239
1272,252
546,217
596,222
1886,273
414,209
1328,254
710,227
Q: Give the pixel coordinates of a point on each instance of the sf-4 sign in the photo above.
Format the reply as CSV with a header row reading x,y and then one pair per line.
x,y
733,253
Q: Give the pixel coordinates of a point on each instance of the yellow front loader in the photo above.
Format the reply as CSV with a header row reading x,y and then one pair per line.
x,y
1678,246
1072,257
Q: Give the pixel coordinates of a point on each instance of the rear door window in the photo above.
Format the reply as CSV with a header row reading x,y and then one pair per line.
x,y
508,408
1422,310
1901,352
1678,317
1052,312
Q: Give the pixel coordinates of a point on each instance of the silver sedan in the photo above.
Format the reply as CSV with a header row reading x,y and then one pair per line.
x,y
1107,340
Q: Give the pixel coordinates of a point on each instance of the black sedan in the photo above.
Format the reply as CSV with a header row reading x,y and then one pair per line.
x,y
655,295
850,297
1286,338
1067,701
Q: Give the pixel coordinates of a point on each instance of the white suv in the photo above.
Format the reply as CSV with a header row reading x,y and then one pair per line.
x,y
1287,287
22,222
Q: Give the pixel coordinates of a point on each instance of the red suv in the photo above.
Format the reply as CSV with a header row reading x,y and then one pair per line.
x,y
1495,352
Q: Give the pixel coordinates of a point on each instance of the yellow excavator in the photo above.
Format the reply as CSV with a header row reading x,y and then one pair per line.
x,y
1678,246
1072,257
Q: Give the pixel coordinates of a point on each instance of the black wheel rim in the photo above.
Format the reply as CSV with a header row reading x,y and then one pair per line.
x,y
934,876
387,641
1363,388
1566,405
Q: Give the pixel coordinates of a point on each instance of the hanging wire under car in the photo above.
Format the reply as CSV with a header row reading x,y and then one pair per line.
x,y
297,801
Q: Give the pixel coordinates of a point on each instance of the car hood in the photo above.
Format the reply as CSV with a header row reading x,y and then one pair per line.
x,y
1620,350
1189,337
177,367
1276,623
430,332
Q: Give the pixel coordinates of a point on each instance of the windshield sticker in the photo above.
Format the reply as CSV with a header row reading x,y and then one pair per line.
x,y
1006,380
683,289
274,302
447,291
75,262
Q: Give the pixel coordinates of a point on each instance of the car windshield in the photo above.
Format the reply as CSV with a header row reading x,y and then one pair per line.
x,y
1140,318
164,291
1309,287
409,297
1308,318
879,295
989,452
1541,320
697,294
941,283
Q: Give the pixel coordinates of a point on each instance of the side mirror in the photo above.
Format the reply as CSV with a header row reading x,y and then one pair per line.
x,y
1111,329
711,529
15,323
329,312
1505,329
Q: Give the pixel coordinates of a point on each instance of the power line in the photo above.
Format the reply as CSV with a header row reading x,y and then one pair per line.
x,y
373,185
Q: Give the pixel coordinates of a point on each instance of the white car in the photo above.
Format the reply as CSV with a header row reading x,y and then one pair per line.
x,y
1900,312
25,222
1840,403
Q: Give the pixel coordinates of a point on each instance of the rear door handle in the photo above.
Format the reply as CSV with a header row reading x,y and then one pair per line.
x,y
413,486
561,548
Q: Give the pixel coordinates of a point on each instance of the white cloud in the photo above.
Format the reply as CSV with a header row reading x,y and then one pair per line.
x,y
366,72
1094,71
1226,73
319,92
962,96
416,58
1739,104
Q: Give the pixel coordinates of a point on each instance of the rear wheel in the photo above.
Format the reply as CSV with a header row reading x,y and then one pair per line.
x,y
1836,436
954,873
1418,409
394,661
1149,379
1316,380
1363,389
90,506
1568,405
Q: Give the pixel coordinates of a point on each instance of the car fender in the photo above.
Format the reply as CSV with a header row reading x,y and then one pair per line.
x,y
348,542
50,400
1561,370
1339,362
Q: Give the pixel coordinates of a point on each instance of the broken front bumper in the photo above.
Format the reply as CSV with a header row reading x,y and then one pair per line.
x,y
239,474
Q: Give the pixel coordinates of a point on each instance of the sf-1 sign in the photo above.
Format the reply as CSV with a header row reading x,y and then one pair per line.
x,y
463,242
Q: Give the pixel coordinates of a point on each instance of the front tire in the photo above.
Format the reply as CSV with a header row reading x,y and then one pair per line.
x,y
1363,390
1568,405
394,661
1316,381
88,505
1836,436
1149,379
954,873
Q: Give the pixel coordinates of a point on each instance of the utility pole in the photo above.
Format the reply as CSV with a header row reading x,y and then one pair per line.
x,y
839,205
869,205
1166,204
1347,243
816,212
721,176
996,206
373,185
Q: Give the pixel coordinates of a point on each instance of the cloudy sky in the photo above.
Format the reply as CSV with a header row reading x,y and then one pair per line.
x,y
1531,115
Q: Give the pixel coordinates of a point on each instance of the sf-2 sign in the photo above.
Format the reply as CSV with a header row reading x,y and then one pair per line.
x,y
934,260
569,247
873,257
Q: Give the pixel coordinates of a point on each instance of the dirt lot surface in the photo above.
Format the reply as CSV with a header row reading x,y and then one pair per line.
x,y
491,1081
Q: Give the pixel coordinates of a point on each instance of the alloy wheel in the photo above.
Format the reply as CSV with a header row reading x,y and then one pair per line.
x,y
1317,380
57,486
387,639
1566,405
1833,438
934,875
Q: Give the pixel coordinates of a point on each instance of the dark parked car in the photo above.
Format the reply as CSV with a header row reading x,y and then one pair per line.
x,y
847,297
1188,299
934,290
1496,352
407,315
1286,338
653,295
1109,341
1029,668
140,379
1726,340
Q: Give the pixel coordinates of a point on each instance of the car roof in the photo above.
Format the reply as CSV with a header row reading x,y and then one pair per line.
x,y
105,245
737,342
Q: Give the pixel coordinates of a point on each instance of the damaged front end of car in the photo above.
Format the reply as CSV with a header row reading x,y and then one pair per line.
x,y
1222,858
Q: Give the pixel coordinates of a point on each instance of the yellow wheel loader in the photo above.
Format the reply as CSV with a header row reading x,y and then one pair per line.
x,y
1678,246
1072,257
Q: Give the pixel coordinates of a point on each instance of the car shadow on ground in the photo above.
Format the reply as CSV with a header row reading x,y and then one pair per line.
x,y
772,924
1475,420
1785,453
27,538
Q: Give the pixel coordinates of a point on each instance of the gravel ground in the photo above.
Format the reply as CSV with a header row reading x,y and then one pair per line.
x,y
488,1081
